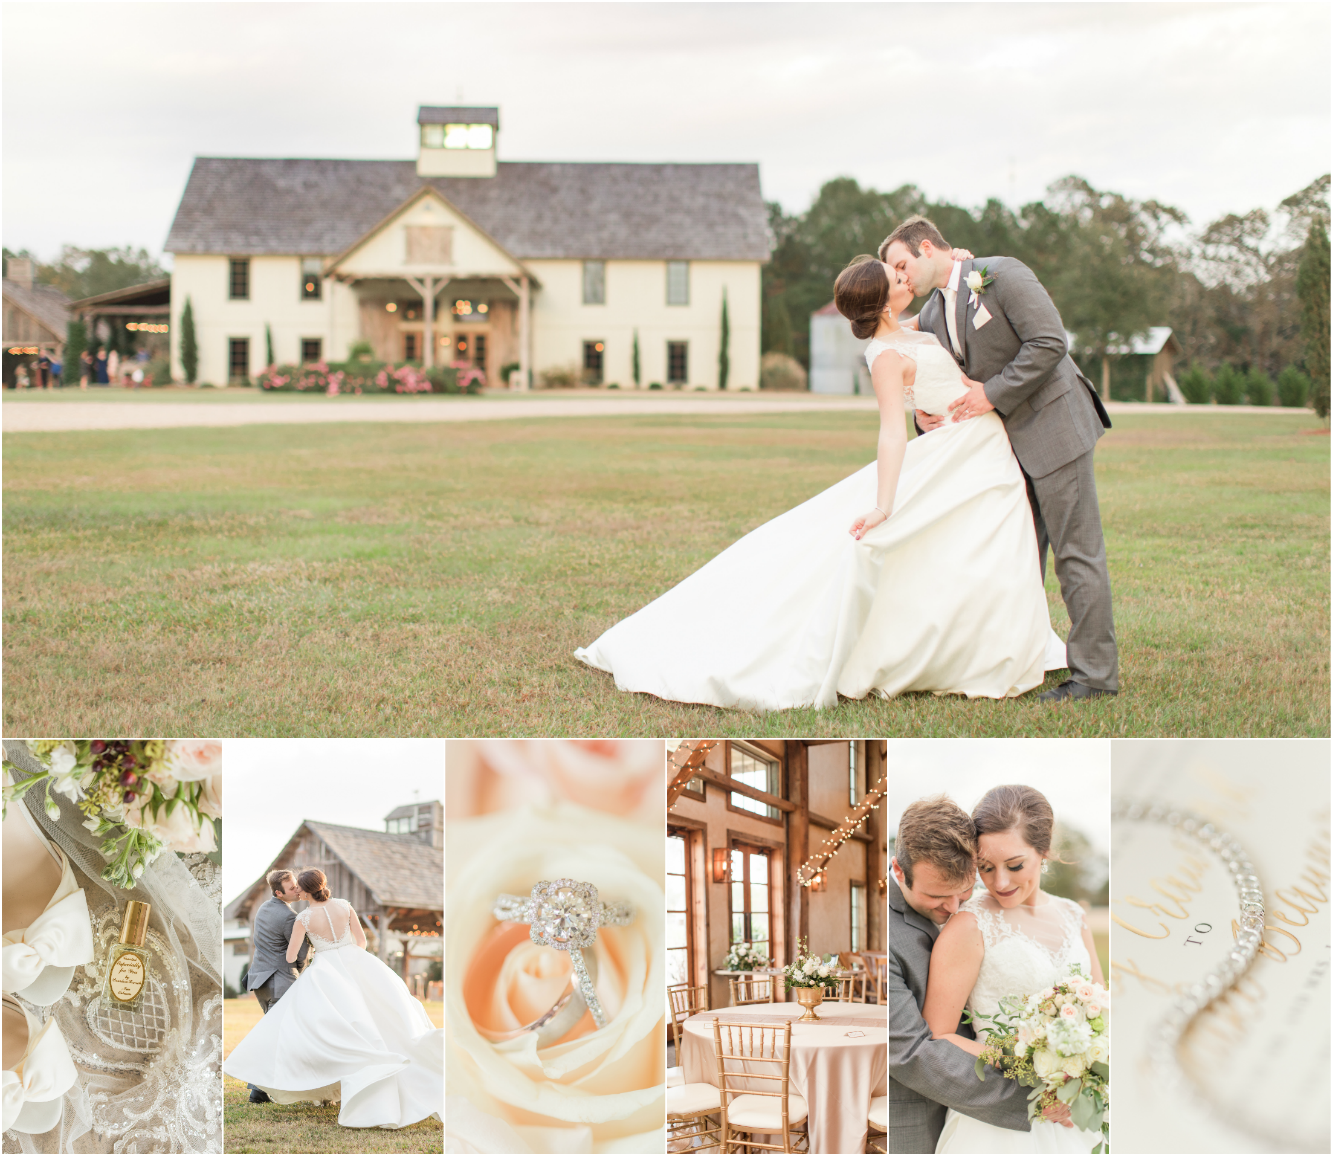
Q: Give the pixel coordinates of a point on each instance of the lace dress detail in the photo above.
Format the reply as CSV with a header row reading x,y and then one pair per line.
x,y
938,379
327,936
1026,949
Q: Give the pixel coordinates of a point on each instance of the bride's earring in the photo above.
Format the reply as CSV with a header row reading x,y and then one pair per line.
x,y
1045,867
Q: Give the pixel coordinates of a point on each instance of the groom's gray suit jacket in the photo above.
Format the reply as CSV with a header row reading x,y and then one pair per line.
x,y
268,959
1020,354
925,1075
1054,419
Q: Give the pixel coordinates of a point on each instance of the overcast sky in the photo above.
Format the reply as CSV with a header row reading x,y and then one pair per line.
x,y
1074,775
1210,107
271,786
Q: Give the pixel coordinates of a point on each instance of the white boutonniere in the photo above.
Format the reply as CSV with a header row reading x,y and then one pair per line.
x,y
978,280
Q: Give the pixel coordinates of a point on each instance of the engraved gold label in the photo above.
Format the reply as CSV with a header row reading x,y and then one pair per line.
x,y
127,976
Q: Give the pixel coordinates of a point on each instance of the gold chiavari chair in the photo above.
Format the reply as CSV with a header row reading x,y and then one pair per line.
x,y
754,990
842,992
860,980
877,1137
759,1053
876,969
684,1000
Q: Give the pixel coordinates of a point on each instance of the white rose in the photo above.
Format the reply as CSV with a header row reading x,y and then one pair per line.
x,y
975,280
1046,1063
1099,1050
825,970
193,759
210,796
604,1087
810,965
65,771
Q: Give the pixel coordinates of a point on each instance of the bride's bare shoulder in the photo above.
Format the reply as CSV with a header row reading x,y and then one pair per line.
x,y
962,931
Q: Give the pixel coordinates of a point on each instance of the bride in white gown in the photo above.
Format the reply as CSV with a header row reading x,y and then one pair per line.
x,y
1010,941
936,587
347,1030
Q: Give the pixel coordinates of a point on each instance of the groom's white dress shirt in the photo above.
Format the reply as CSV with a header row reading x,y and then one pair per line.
x,y
950,314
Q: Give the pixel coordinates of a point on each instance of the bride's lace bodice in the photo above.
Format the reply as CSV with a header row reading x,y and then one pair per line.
x,y
1026,949
938,379
328,926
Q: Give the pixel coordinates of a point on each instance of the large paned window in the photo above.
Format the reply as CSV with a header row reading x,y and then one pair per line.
x,y
677,362
238,358
594,360
677,282
238,280
761,772
594,282
679,924
751,917
857,916
312,278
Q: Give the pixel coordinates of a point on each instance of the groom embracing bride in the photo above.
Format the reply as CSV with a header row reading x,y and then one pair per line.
x,y
951,949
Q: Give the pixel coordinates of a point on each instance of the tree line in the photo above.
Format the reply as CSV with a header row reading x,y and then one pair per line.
x,y
1246,295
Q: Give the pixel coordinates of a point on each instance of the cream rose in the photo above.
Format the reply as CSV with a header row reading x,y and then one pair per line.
x,y
177,828
193,759
975,280
603,1091
1046,1063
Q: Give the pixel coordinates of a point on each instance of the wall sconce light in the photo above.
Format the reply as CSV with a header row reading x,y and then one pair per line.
x,y
819,884
719,865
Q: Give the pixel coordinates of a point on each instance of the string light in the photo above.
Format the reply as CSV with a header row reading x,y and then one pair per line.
x,y
817,866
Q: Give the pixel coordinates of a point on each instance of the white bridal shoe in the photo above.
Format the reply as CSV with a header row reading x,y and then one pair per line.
x,y
46,928
38,1071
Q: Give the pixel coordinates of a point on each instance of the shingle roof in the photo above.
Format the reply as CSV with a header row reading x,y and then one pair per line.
x,y
593,211
399,870
44,303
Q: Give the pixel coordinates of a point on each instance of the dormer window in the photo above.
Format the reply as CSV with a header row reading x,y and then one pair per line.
x,y
457,141
312,276
479,136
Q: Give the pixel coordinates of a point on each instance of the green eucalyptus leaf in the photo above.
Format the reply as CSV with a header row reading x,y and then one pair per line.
x,y
980,1069
1101,1070
1069,1090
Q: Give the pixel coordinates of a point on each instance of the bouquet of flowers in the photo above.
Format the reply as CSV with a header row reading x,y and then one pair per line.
x,y
810,970
1058,1042
139,797
743,956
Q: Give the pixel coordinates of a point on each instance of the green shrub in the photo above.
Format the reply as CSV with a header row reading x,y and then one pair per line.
x,y
779,371
189,345
655,385
506,369
612,385
1293,387
1258,387
361,351
1228,386
561,377
158,371
1196,385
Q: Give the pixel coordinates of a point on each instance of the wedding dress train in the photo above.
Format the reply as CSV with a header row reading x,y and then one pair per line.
x,y
1026,949
346,1031
945,596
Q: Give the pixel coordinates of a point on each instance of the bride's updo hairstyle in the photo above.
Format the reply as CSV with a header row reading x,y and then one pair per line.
x,y
315,884
1016,807
861,294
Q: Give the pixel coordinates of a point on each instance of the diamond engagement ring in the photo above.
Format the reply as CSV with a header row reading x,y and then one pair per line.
x,y
565,915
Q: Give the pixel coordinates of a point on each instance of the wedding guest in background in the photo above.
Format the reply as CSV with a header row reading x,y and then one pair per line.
x,y
85,368
100,369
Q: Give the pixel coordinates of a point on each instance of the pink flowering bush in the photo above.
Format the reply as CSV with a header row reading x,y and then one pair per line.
x,y
359,378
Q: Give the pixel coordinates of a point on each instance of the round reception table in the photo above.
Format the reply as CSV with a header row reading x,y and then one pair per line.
x,y
837,1064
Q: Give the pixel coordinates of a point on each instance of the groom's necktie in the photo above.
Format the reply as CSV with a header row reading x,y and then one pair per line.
x,y
950,319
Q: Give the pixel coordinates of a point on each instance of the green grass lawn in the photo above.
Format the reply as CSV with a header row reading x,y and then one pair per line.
x,y
355,580
303,1127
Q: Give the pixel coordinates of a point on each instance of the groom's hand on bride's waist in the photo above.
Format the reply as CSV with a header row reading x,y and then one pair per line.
x,y
1058,1113
928,422
972,403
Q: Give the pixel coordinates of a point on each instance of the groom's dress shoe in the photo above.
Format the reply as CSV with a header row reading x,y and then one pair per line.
x,y
257,1095
1075,691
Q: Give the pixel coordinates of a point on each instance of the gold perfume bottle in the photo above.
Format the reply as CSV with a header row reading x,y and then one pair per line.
x,y
127,965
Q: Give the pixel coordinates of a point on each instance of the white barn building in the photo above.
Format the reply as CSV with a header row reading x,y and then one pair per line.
x,y
836,357
460,256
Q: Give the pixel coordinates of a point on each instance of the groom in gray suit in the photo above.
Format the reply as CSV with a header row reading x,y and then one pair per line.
x,y
270,974
934,869
1004,331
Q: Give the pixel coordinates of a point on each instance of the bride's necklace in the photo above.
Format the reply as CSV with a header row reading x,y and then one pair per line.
x,y
1164,1043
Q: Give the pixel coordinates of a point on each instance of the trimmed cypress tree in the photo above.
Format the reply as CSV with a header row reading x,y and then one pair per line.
x,y
724,356
76,341
189,345
637,364
1311,286
268,345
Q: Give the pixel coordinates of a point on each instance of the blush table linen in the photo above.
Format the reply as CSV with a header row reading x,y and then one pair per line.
x,y
835,1074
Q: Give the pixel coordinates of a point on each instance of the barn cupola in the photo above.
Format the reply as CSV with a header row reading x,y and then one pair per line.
x,y
457,141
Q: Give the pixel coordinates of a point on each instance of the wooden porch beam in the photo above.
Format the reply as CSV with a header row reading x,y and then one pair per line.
x,y
831,823
695,753
747,790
